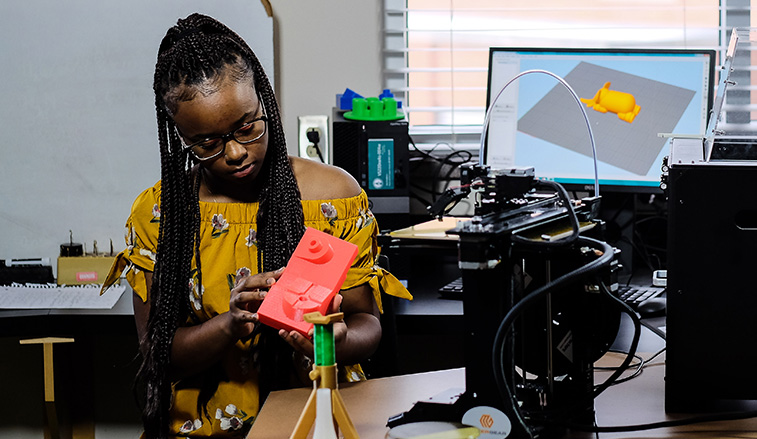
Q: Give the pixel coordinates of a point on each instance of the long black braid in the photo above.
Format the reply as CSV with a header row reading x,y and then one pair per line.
x,y
193,53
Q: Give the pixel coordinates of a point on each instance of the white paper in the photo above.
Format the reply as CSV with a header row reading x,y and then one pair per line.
x,y
59,297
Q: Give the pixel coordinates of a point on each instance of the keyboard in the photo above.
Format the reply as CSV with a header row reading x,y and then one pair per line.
x,y
634,295
452,290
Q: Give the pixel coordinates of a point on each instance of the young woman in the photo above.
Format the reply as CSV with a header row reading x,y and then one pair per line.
x,y
207,241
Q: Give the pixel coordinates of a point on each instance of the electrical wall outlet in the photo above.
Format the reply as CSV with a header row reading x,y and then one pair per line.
x,y
307,148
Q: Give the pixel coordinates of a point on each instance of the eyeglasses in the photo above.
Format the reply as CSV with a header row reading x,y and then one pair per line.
x,y
212,147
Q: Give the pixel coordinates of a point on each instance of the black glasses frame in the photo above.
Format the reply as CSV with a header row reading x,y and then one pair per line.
x,y
225,138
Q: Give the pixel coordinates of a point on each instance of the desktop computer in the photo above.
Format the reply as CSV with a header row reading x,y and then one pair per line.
x,y
712,295
376,154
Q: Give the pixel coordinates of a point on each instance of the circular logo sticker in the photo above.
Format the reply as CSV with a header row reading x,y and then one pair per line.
x,y
493,423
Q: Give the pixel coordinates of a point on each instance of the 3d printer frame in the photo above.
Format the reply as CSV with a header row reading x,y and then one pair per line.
x,y
520,241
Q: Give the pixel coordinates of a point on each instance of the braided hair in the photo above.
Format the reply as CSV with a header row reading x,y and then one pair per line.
x,y
195,52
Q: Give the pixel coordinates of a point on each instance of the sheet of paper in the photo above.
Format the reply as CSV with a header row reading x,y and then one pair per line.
x,y
59,297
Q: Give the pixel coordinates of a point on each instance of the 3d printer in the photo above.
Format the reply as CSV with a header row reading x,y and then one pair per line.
x,y
537,307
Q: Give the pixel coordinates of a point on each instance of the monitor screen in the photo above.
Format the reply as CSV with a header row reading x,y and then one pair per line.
x,y
630,97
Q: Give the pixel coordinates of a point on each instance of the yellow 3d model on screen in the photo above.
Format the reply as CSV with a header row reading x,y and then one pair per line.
x,y
618,102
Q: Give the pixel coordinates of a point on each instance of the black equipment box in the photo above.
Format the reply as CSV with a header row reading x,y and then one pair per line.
x,y
376,154
712,293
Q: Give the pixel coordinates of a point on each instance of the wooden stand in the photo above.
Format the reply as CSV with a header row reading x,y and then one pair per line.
x,y
49,376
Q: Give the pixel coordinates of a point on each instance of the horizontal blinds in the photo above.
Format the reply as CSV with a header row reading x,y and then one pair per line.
x,y
436,53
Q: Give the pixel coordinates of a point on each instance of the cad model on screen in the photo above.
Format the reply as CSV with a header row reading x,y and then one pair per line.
x,y
313,276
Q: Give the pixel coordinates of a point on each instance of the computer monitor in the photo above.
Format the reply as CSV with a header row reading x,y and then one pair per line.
x,y
630,97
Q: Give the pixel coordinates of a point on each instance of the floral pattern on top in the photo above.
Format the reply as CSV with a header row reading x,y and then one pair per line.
x,y
129,236
148,253
155,214
190,426
220,225
365,218
252,238
235,419
233,278
195,291
329,211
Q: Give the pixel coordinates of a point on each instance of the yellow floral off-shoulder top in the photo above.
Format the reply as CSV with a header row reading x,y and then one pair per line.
x,y
228,248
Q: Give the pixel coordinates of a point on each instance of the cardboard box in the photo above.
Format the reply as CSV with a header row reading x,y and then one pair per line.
x,y
81,270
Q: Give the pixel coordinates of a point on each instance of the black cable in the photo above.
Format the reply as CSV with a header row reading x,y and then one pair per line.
x,y
655,330
657,354
519,308
448,160
634,341
420,151
640,366
729,416
456,165
314,136
616,351
572,218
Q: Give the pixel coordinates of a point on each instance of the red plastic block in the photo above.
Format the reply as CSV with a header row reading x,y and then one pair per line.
x,y
313,276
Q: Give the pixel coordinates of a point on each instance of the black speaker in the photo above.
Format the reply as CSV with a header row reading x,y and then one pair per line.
x,y
712,288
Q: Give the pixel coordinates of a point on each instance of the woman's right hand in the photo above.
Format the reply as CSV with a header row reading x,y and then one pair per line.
x,y
245,300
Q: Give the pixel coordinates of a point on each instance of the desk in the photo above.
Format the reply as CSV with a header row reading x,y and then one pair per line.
x,y
371,403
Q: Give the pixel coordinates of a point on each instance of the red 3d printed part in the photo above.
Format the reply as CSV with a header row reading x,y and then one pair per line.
x,y
313,276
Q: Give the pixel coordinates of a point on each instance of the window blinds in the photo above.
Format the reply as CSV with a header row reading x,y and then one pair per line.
x,y
436,53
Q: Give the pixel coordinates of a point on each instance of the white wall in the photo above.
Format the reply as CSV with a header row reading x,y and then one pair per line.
x,y
321,48
75,154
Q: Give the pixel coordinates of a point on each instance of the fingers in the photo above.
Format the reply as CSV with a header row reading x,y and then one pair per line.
x,y
298,341
259,281
243,297
240,323
250,291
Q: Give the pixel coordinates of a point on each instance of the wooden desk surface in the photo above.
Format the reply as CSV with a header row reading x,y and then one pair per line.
x,y
371,403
